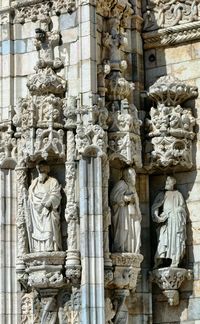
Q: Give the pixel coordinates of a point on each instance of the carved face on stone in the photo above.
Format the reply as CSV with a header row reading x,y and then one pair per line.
x,y
170,182
43,170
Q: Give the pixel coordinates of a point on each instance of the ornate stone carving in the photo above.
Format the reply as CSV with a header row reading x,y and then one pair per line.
x,y
126,267
114,41
115,91
45,269
33,10
119,299
169,212
45,80
22,239
61,6
48,306
161,13
8,144
114,8
73,267
70,309
109,311
91,138
170,127
169,281
41,113
70,112
30,307
5,15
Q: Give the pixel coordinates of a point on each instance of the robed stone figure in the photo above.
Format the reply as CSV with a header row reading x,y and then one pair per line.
x,y
44,200
126,215
169,212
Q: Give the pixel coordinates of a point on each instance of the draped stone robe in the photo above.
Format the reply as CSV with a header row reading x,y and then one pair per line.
x,y
172,230
125,235
45,222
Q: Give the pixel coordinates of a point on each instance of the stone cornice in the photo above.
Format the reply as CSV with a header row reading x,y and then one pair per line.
x,y
172,35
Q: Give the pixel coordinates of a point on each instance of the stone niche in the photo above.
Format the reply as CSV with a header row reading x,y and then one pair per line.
x,y
170,126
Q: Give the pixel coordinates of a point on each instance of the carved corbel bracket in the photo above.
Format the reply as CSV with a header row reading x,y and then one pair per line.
x,y
126,267
169,281
45,269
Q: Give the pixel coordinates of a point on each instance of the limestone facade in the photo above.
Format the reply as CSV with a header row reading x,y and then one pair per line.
x,y
98,108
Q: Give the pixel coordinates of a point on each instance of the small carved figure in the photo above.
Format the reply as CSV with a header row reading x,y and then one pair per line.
x,y
126,215
44,200
169,212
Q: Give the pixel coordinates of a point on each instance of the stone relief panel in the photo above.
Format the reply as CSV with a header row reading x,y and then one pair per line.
x,y
161,13
31,10
170,128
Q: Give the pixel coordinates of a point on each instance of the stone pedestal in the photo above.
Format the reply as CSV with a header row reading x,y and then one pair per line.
x,y
169,281
45,269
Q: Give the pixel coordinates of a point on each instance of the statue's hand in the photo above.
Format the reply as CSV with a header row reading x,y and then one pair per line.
x,y
161,218
129,198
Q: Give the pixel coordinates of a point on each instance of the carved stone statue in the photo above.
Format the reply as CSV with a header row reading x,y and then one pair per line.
x,y
44,200
126,215
169,212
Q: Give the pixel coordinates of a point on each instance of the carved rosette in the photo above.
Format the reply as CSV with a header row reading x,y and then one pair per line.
x,y
170,127
169,281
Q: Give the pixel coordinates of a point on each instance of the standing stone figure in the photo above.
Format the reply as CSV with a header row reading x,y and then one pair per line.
x,y
169,212
126,215
44,200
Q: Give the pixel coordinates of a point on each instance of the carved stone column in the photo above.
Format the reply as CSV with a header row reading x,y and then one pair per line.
x,y
91,237
73,267
22,239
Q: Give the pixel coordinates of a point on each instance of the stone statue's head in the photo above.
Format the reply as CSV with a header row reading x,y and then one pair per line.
x,y
170,183
129,176
43,170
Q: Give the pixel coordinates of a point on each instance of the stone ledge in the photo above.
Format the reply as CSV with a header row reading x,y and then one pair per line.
x,y
172,35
